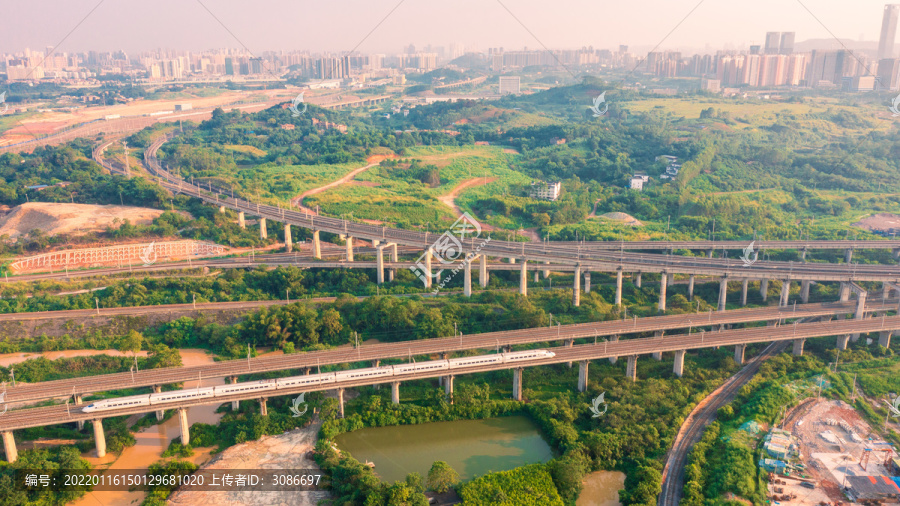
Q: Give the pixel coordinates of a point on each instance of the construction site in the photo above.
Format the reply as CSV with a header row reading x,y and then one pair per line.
x,y
826,454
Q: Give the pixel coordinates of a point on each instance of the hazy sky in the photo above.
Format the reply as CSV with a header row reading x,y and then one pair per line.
x,y
340,25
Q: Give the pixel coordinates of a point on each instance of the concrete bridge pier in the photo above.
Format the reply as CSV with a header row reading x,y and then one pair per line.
x,y
535,277
241,221
99,437
848,255
637,280
428,277
546,272
745,285
709,253
264,406
764,289
691,287
631,368
576,287
379,264
583,375
723,292
467,277
587,281
671,279
340,397
393,272
222,209
9,446
317,245
288,243
798,347
662,292
263,232
739,350
395,392
185,426
803,254
613,339
160,413
517,383
349,242
78,400
678,369
235,405
618,286
483,272
842,341
512,260
523,278
845,292
657,355
884,339
804,291
785,292
448,387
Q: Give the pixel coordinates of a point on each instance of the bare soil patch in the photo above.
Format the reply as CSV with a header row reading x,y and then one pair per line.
x,y
71,219
881,222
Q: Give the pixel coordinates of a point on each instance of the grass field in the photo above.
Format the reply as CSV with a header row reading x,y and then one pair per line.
x,y
245,149
394,200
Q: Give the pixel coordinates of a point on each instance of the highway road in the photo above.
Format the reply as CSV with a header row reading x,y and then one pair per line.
x,y
489,340
587,257
37,417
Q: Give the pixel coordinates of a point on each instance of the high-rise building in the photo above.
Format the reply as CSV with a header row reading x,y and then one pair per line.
x,y
787,43
773,41
509,84
888,74
888,31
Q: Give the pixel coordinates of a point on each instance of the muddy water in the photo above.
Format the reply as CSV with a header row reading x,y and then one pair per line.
x,y
601,488
8,359
152,441
471,447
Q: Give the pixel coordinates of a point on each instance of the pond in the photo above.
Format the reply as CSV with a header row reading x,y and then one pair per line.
x,y
471,447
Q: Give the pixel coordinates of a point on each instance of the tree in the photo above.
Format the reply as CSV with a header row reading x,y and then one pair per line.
x,y
133,341
441,477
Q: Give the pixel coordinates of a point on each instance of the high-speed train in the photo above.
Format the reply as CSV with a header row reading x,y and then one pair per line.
x,y
316,379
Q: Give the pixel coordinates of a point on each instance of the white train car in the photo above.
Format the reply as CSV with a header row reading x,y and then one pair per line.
x,y
431,365
369,372
519,356
247,386
121,402
455,363
309,379
181,395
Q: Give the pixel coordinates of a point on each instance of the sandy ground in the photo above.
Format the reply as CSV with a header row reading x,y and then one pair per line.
x,y
880,221
286,451
71,219
8,359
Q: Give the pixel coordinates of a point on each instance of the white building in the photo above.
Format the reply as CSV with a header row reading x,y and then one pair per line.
x,y
509,84
545,191
638,180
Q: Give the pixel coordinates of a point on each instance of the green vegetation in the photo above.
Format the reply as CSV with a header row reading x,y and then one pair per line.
x,y
40,462
526,486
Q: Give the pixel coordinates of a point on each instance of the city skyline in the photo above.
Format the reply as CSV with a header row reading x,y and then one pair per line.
x,y
683,26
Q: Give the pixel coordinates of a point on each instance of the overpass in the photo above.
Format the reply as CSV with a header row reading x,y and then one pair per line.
x,y
631,348
467,250
611,329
